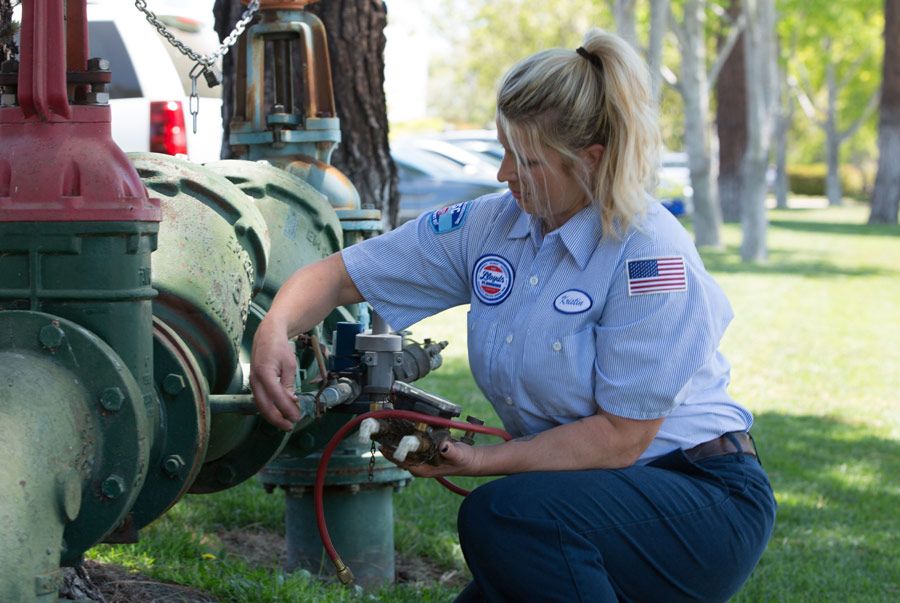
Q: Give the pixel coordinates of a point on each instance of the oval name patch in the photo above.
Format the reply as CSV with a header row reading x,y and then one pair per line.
x,y
572,301
492,279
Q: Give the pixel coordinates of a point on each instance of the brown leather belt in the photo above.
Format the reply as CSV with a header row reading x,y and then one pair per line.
x,y
723,445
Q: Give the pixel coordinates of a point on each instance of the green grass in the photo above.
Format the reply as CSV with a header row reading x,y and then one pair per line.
x,y
815,352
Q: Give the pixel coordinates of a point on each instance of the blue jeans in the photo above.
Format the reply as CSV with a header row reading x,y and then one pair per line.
x,y
673,530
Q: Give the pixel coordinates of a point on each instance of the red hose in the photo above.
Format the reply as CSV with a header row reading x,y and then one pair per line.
x,y
343,571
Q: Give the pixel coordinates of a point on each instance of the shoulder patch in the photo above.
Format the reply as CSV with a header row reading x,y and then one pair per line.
x,y
656,275
573,301
492,279
450,218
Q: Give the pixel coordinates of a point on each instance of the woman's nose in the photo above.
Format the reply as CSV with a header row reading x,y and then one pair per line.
x,y
507,170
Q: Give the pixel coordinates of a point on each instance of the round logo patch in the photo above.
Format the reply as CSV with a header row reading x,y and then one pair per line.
x,y
492,279
573,301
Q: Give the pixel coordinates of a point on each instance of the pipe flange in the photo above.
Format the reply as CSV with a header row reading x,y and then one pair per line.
x,y
184,405
115,448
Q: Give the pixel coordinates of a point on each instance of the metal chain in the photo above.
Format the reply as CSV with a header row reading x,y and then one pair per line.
x,y
209,59
372,452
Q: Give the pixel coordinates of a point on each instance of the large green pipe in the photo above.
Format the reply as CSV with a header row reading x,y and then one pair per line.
x,y
76,445
31,530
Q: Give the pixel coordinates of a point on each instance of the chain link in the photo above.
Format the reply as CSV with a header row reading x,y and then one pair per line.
x,y
209,59
372,452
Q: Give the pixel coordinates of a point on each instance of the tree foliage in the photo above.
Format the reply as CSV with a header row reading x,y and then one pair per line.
x,y
497,33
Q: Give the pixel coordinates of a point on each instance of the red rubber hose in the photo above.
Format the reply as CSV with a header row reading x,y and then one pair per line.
x,y
343,571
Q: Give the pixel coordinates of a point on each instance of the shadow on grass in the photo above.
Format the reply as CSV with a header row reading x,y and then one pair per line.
x,y
839,508
837,228
784,262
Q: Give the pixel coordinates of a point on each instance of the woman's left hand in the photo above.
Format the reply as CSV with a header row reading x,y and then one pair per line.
x,y
456,459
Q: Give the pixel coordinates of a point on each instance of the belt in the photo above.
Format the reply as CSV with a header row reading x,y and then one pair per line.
x,y
733,442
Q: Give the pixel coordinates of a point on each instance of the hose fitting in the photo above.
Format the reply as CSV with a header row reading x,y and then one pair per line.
x,y
343,572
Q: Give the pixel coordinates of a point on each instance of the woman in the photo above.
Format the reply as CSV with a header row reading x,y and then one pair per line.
x,y
593,331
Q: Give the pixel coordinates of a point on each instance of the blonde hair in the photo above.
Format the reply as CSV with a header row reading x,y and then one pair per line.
x,y
560,100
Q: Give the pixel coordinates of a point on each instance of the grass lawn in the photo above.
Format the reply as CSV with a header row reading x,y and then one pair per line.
x,y
815,352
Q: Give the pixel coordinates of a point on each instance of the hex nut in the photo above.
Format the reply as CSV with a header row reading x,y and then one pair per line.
x,y
173,384
113,487
98,64
51,336
96,98
172,465
112,399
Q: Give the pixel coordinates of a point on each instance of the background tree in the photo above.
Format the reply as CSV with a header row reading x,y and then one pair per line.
x,y
762,98
833,70
731,121
886,196
695,83
7,30
356,45
464,79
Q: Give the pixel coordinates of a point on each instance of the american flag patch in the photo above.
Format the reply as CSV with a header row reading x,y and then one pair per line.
x,y
656,275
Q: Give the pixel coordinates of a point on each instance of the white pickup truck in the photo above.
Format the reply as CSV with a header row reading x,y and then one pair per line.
x,y
149,94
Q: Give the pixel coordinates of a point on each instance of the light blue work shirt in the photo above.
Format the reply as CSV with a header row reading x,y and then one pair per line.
x,y
564,323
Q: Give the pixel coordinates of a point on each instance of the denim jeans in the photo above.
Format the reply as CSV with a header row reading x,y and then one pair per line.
x,y
672,530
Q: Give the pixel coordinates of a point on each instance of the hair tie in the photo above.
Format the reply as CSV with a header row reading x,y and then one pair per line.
x,y
591,57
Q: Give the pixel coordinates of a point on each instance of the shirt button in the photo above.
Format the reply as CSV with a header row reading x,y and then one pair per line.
x,y
509,338
557,346
508,400
533,280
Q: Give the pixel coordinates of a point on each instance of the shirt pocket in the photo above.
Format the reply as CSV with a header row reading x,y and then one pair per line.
x,y
559,374
481,343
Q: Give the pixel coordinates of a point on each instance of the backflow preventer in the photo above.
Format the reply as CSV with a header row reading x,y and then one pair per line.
x,y
130,291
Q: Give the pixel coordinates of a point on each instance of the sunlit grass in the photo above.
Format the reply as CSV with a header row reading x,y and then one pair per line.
x,y
815,353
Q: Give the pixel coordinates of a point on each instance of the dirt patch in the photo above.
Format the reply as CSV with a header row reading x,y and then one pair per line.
x,y
255,546
118,585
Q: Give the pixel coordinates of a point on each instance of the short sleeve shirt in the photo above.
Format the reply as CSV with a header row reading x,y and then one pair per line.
x,y
569,322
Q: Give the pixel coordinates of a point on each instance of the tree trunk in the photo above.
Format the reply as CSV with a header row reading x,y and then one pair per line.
x,y
695,92
783,122
659,24
356,47
626,21
886,196
832,137
762,99
8,47
731,123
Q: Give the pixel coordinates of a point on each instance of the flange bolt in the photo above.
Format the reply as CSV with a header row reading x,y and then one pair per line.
x,y
51,336
113,487
172,465
112,399
173,384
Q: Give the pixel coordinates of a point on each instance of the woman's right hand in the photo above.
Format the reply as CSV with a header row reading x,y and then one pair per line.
x,y
273,366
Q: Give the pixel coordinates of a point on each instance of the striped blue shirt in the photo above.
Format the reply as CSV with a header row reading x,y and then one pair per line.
x,y
564,323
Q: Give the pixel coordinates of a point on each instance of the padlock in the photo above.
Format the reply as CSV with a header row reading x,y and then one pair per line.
x,y
213,77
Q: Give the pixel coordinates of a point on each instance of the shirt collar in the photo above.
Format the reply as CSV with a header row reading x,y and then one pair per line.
x,y
580,234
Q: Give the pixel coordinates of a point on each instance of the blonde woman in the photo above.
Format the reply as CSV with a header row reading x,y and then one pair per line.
x,y
593,331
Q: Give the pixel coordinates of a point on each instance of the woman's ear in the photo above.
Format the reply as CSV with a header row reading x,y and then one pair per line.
x,y
593,154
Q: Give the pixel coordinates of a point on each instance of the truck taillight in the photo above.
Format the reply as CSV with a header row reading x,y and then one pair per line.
x,y
167,133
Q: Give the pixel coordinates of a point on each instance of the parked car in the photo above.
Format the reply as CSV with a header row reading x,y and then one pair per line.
x,y
470,163
674,188
429,181
481,142
150,84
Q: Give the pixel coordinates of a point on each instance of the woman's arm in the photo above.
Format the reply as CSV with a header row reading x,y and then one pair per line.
x,y
599,441
307,297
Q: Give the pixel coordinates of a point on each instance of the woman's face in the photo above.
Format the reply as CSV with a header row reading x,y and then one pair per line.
x,y
541,182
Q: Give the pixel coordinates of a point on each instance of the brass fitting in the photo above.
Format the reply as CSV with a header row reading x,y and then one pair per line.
x,y
343,572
